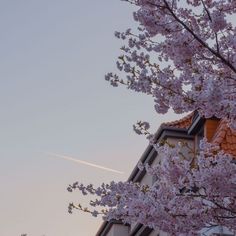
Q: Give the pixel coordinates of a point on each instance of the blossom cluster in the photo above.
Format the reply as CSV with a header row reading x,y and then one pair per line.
x,y
183,55
185,198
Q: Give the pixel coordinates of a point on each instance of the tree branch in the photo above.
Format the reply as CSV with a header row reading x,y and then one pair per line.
x,y
216,53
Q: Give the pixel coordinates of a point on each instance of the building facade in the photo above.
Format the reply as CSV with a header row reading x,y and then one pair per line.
x,y
190,130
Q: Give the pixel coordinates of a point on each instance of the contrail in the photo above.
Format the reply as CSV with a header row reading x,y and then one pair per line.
x,y
84,162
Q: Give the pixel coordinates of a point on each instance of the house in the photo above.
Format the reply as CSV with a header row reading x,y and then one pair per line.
x,y
190,130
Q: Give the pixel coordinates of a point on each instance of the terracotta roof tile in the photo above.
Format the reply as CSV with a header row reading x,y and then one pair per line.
x,y
185,122
225,138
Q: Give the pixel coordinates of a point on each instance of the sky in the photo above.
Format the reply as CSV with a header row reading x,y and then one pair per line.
x,y
55,102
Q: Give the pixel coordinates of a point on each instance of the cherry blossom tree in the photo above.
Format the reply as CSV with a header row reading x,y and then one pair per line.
x,y
183,54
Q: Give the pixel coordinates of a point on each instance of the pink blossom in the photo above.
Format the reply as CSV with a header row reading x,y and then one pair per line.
x,y
197,42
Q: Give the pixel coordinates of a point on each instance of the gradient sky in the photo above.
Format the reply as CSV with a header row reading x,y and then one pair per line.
x,y
53,98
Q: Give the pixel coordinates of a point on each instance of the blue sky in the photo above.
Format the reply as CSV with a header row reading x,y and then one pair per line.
x,y
53,98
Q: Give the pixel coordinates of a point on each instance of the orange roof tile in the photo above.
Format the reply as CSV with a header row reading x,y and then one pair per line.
x,y
185,122
225,138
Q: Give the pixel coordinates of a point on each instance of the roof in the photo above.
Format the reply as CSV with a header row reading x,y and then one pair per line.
x,y
225,138
184,122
